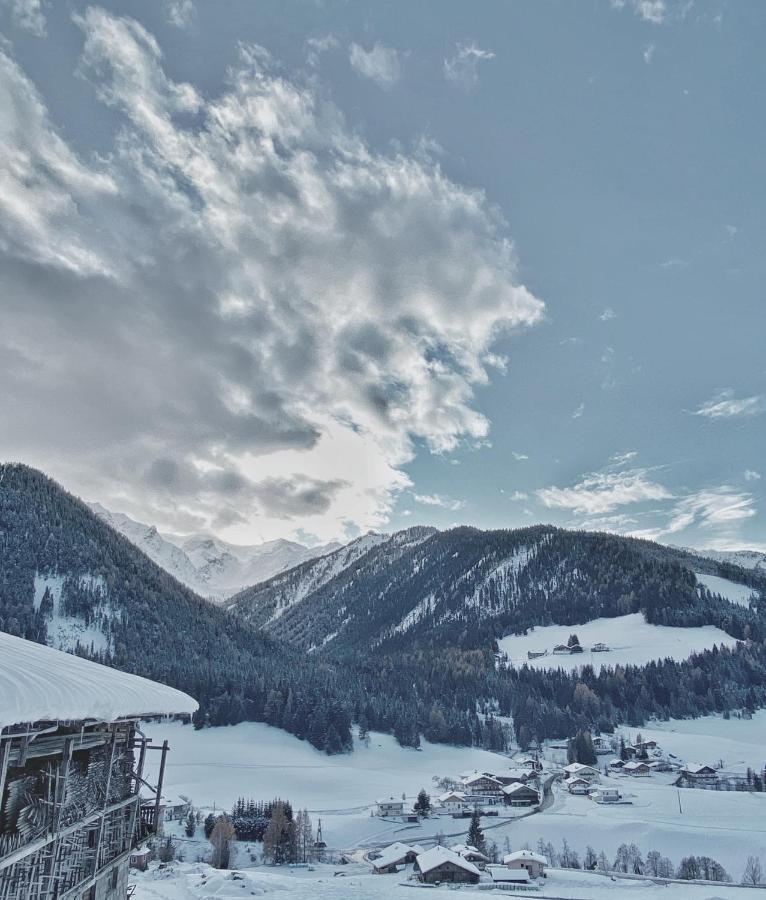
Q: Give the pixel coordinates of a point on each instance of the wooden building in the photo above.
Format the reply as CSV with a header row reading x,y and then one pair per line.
x,y
518,794
439,865
533,863
71,762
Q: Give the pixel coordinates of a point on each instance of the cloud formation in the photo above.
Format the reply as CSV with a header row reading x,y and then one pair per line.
x,y
439,500
462,68
28,15
725,405
208,316
380,64
180,13
603,492
653,11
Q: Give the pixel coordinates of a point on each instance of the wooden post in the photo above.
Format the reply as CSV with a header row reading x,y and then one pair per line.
x,y
161,778
5,755
106,804
139,780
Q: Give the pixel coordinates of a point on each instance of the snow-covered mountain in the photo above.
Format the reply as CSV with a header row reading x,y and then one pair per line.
x,y
746,559
209,566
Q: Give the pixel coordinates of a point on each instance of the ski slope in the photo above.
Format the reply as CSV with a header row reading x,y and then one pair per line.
x,y
632,640
730,590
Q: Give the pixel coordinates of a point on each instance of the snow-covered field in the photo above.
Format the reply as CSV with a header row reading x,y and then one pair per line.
x,y
215,766
195,882
733,592
631,638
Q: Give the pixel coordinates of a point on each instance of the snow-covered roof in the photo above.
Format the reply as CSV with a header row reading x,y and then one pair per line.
x,y
391,855
437,856
480,776
517,786
696,768
40,683
457,795
578,768
390,801
574,779
524,855
504,874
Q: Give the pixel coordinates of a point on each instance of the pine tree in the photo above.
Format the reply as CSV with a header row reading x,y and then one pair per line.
x,y
475,834
423,804
191,824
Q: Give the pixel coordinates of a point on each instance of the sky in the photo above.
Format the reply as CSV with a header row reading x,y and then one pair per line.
x,y
306,269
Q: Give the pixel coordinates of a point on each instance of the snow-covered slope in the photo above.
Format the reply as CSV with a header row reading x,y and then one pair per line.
x,y
730,590
631,641
209,566
39,683
746,559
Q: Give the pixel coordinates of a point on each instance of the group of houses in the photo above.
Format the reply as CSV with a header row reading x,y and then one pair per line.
x,y
72,761
460,863
517,787
568,650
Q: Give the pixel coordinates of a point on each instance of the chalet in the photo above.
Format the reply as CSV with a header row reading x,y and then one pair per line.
x,y
482,784
533,863
390,808
536,654
600,648
697,773
636,767
439,865
397,854
577,785
617,764
646,745
518,794
606,795
576,648
601,745
504,875
528,762
579,770
562,650
472,854
522,775
71,762
454,801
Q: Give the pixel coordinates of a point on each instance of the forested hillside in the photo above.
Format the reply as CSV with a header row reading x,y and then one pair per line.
x,y
401,628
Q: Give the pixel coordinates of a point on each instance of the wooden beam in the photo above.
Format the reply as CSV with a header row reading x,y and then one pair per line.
x,y
5,756
160,780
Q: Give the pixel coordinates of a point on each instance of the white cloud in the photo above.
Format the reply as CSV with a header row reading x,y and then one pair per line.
x,y
519,495
711,508
316,46
439,500
648,53
180,13
519,456
752,475
724,405
653,11
603,492
462,68
608,314
380,64
180,312
578,411
27,14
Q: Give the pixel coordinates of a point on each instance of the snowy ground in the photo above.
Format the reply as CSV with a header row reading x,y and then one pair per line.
x,y
195,882
733,592
215,766
631,638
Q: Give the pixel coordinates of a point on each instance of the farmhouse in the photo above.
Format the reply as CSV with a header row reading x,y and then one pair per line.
x,y
454,801
600,648
176,808
606,795
577,785
536,654
482,783
533,863
636,767
440,864
601,745
522,775
392,857
390,807
582,771
528,762
696,773
562,650
518,794
617,764
71,762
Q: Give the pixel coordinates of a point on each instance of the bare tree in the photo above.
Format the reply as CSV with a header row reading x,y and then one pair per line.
x,y
753,873
221,838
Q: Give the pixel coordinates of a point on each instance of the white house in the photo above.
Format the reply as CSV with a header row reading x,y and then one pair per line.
x,y
698,772
393,856
528,860
390,807
454,801
482,783
579,770
577,785
636,767
606,795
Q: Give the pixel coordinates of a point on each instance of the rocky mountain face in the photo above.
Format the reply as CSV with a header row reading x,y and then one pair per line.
x,y
211,567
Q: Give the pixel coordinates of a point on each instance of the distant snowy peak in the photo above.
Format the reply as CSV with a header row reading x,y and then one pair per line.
x,y
209,566
746,559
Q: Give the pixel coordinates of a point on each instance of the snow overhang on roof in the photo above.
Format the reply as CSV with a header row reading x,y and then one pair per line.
x,y
434,857
38,683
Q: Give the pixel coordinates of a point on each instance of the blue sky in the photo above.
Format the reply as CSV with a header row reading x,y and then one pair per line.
x,y
305,269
